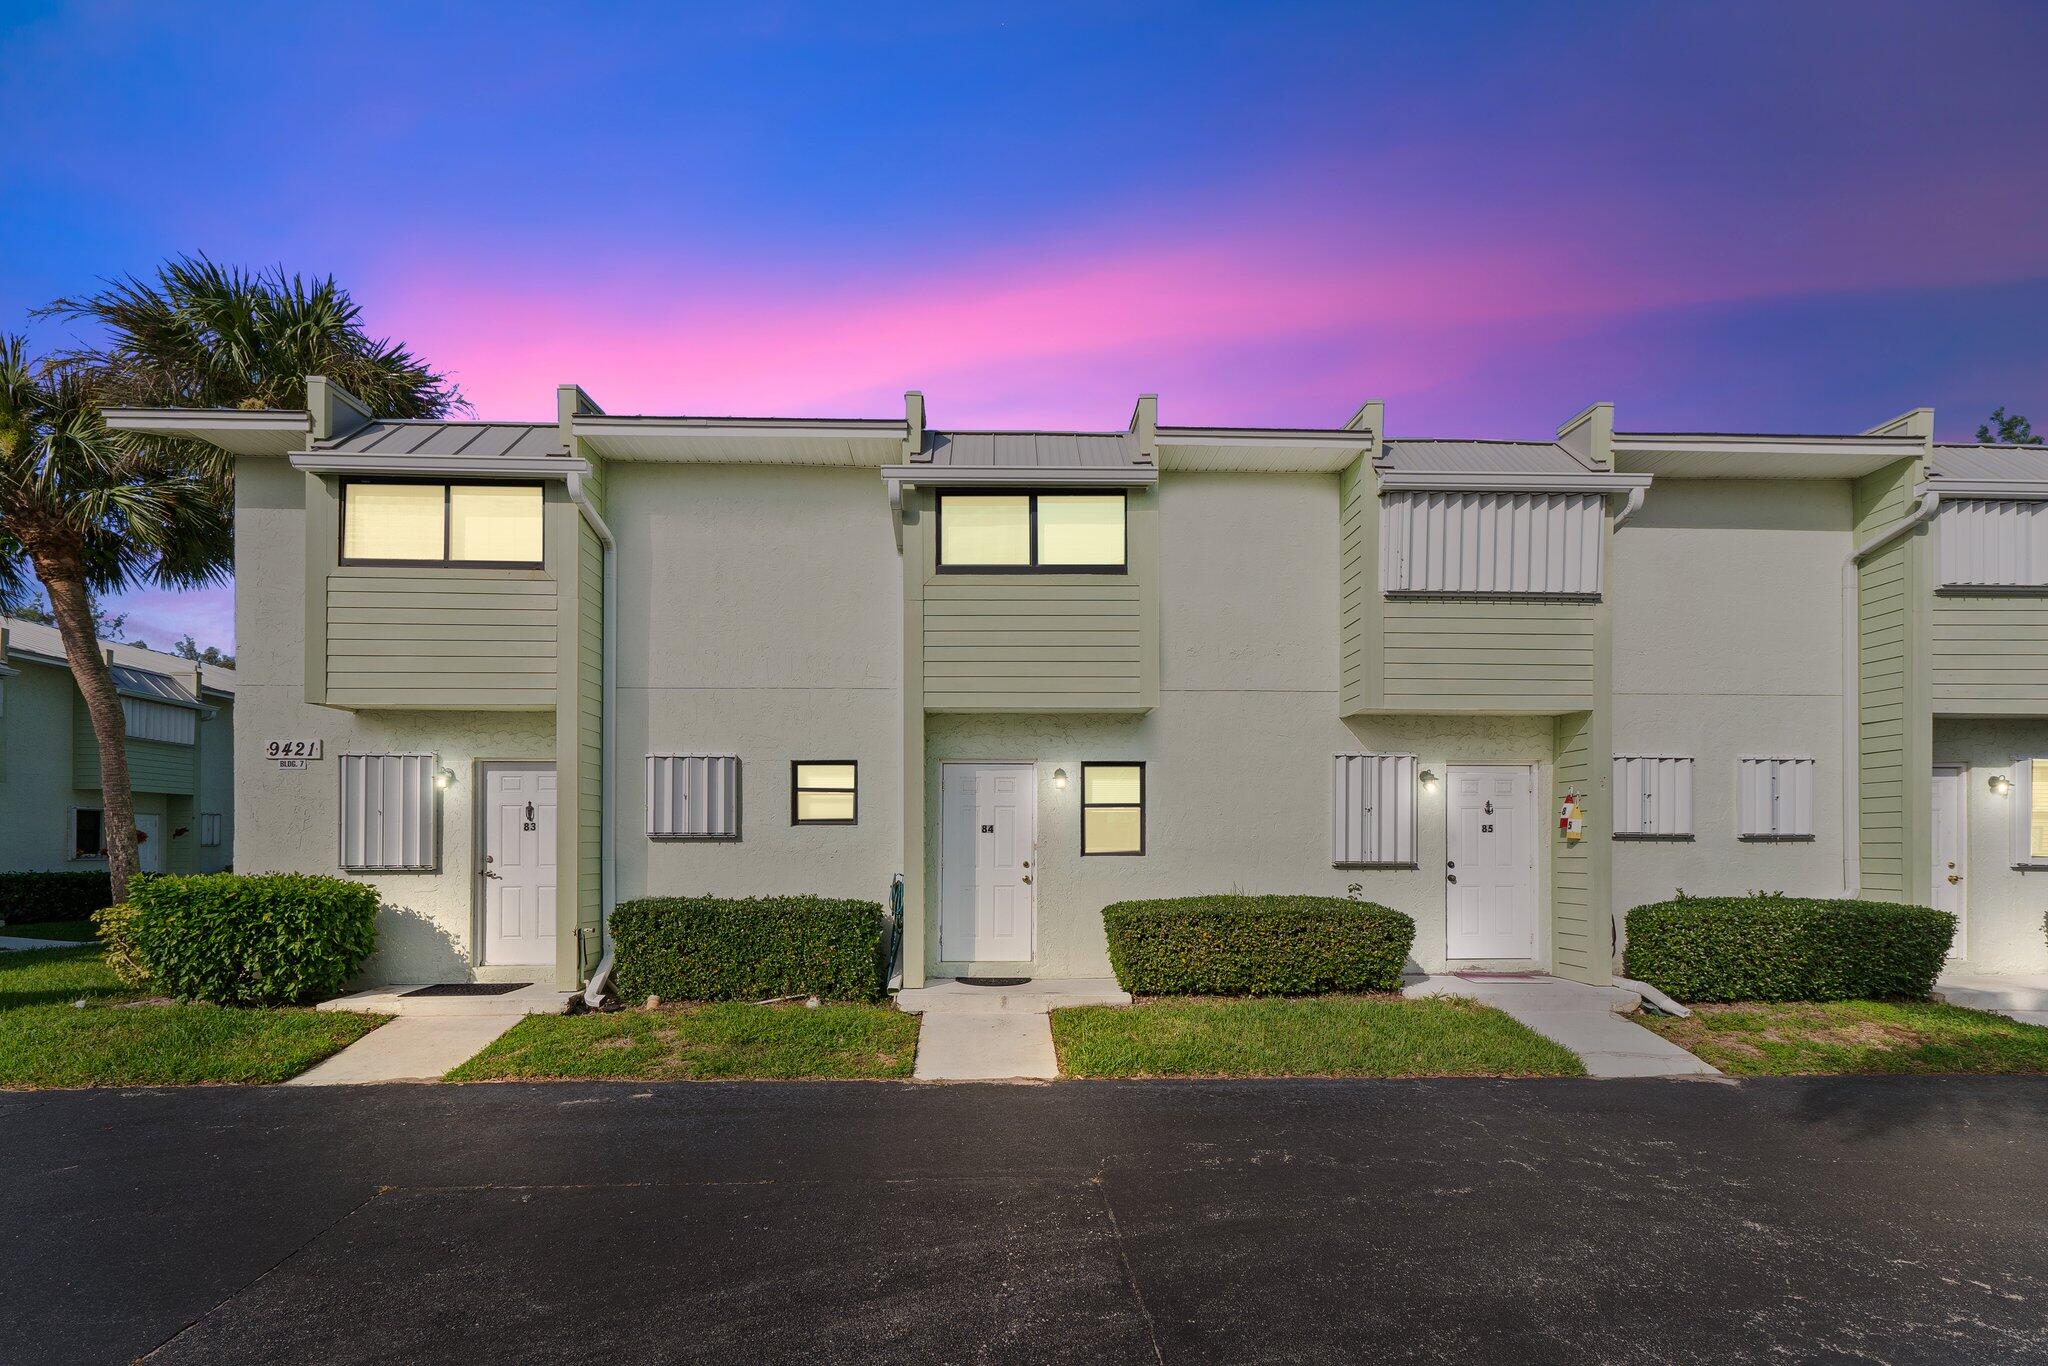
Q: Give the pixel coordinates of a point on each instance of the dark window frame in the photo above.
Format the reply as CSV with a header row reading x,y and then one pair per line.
x,y
447,524
1144,800
796,789
1123,495
75,855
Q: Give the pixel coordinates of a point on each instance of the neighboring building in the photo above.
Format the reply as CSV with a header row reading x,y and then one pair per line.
x,y
525,670
181,764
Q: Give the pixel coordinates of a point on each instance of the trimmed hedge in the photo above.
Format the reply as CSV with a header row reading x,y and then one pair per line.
x,y
53,896
241,940
714,948
1783,948
1256,945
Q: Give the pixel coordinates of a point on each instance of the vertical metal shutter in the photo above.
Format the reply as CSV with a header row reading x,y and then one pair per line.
x,y
693,796
1994,542
1652,795
157,721
1774,798
1490,542
1372,801
388,812
209,829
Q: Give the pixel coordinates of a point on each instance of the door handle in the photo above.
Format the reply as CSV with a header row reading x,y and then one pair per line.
x,y
493,876
1450,877
1027,877
1955,877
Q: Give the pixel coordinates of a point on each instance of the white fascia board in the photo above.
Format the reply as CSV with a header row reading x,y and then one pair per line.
x,y
445,466
2000,490
933,476
1401,481
1654,443
726,440
1307,450
235,430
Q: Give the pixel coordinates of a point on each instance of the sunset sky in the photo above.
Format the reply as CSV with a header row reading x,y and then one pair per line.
x,y
1777,216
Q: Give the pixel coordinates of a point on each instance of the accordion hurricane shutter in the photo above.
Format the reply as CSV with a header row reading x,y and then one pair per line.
x,y
1653,796
1372,803
1491,543
693,796
388,812
1774,798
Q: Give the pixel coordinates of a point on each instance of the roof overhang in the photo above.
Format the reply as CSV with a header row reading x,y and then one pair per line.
x,y
1402,481
1012,476
443,466
238,431
1999,490
868,442
1711,455
1253,450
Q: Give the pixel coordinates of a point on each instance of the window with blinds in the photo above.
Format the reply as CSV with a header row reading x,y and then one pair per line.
x,y
1652,796
1491,543
693,796
390,815
1992,543
1774,798
1372,804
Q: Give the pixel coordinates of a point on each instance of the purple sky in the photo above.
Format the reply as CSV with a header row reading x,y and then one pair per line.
x,y
1753,216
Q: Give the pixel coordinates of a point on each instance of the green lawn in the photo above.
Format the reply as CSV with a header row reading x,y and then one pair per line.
x,y
724,1041
1752,1039
1320,1036
76,931
119,1039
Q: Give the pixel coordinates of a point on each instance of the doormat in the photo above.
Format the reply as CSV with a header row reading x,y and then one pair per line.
x,y
469,989
995,981
1502,976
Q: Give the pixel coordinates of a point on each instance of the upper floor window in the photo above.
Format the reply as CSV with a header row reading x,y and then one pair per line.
x,y
1021,533
416,523
1491,544
1992,543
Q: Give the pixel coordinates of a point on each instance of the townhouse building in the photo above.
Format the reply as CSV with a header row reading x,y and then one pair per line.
x,y
180,722
514,673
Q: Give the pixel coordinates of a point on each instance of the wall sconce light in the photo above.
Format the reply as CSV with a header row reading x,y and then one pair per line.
x,y
444,778
1059,779
2001,786
1428,780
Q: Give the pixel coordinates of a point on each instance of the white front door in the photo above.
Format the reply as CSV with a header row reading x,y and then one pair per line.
x,y
1490,863
518,871
149,842
1951,852
987,900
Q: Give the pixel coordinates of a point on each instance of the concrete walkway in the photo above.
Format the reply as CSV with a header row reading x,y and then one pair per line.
x,y
16,942
1585,1019
431,1034
972,1033
2017,996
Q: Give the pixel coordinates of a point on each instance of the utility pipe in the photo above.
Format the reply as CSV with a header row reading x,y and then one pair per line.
x,y
1852,710
607,828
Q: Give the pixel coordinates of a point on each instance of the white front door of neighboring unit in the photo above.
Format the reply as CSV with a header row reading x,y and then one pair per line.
x,y
987,901
1951,852
1490,863
518,871
149,842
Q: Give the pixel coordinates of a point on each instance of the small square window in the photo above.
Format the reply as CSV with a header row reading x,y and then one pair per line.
x,y
1112,809
88,832
209,829
824,792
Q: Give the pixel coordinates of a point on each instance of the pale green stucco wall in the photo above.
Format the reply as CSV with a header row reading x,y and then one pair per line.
x,y
2006,905
1728,641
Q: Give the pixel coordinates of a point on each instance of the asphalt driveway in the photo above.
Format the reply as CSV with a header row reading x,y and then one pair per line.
x,y
1896,1220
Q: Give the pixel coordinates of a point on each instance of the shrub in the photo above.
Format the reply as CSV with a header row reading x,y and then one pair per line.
x,y
116,925
1256,945
53,896
711,948
1784,948
235,939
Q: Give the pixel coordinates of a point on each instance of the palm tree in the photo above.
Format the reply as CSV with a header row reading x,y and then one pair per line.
x,y
90,513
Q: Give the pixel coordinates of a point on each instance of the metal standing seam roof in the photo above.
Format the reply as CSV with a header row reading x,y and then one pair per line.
x,y
473,440
1031,450
1991,463
1481,457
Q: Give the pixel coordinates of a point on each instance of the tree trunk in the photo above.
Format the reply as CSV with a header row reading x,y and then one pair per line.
x,y
64,580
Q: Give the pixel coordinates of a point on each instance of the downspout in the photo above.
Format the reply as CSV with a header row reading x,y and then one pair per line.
x,y
1852,711
1632,506
607,830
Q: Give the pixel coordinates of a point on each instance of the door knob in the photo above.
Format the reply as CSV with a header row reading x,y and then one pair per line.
x,y
1027,877
1955,877
1450,877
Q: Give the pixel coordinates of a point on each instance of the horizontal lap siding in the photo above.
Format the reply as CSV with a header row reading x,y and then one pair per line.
x,y
1021,644
153,765
1990,655
1885,589
1456,654
441,638
1358,574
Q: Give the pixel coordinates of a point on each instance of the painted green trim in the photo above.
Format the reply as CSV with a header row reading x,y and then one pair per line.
x,y
565,531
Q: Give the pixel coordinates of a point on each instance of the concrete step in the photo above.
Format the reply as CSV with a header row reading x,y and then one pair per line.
x,y
1985,992
949,997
